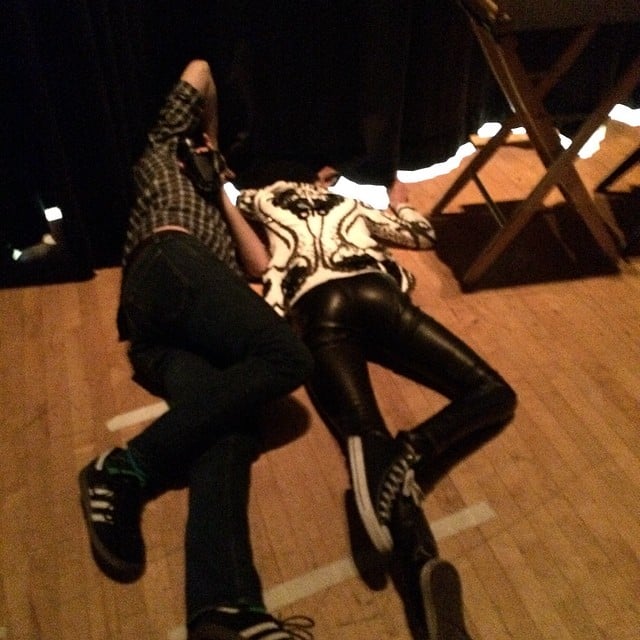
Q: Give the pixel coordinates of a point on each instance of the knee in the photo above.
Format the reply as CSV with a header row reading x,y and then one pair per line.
x,y
293,359
503,398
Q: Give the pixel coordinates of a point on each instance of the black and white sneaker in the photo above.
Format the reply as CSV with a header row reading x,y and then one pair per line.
x,y
112,501
413,541
381,468
442,596
231,623
413,546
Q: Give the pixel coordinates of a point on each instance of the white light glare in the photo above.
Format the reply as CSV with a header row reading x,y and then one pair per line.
x,y
231,191
373,194
52,214
377,196
625,114
440,168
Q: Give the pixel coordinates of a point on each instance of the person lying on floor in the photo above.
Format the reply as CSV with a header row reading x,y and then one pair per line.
x,y
332,275
200,338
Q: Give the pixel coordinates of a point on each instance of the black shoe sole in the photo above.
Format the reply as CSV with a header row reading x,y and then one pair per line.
x,y
372,565
442,595
112,566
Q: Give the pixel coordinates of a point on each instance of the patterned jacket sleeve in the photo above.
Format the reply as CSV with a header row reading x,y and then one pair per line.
x,y
245,202
404,227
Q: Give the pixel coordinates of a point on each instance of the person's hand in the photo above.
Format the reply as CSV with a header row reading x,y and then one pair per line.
x,y
327,177
204,165
226,174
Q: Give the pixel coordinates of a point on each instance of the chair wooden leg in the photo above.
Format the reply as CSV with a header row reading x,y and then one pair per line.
x,y
560,170
564,62
619,171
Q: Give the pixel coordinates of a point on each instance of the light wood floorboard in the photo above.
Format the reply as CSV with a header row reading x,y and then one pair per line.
x,y
558,561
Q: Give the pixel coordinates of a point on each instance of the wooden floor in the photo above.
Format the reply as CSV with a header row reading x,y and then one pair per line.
x,y
543,522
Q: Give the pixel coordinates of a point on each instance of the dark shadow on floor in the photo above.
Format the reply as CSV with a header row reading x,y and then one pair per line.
x,y
625,206
555,246
283,420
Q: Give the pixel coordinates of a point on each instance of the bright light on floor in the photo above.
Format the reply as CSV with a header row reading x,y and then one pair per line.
x,y
625,114
376,195
440,168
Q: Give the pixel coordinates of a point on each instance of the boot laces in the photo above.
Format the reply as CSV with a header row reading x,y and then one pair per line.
x,y
400,477
298,627
411,489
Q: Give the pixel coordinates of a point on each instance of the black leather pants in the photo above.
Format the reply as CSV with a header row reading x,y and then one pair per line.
x,y
347,322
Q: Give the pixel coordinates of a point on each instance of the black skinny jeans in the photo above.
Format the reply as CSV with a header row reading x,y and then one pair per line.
x,y
346,322
216,351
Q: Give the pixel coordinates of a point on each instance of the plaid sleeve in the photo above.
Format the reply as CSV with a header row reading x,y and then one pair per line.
x,y
181,114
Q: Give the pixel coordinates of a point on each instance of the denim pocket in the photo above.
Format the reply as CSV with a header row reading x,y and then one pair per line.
x,y
156,293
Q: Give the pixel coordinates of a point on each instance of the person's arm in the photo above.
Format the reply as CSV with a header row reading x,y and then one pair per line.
x,y
404,227
252,252
198,74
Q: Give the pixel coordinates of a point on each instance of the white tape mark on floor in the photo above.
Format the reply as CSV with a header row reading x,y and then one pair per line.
x,y
150,412
322,578
331,574
464,519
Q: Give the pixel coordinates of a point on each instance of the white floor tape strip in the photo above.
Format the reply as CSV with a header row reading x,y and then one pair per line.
x,y
331,574
323,577
150,412
464,519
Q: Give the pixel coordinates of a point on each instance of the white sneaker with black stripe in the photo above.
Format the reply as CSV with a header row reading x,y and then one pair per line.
x,y
381,467
232,623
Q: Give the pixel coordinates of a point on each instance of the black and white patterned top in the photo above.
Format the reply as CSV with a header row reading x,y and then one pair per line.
x,y
164,195
316,236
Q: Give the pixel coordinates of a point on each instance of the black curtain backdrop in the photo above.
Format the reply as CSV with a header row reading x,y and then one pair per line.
x,y
368,86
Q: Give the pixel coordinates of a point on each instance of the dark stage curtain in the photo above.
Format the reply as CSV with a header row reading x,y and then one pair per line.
x,y
367,86
81,82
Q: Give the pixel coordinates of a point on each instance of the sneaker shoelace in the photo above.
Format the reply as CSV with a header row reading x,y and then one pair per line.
x,y
292,628
298,627
267,626
400,477
411,489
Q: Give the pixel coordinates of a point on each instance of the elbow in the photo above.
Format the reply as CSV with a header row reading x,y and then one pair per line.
x,y
256,266
254,271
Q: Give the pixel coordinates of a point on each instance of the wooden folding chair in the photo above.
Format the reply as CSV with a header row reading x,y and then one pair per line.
x,y
496,25
633,159
628,163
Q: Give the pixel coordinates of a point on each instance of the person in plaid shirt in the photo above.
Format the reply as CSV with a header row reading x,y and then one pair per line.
x,y
200,338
